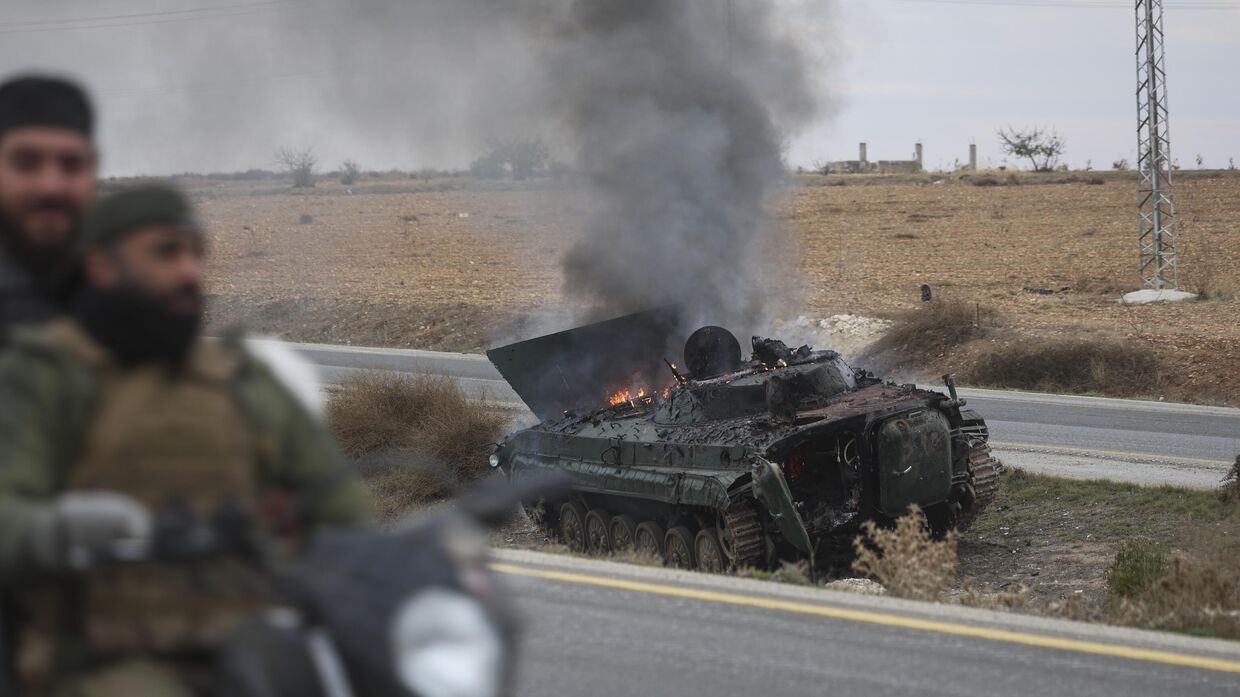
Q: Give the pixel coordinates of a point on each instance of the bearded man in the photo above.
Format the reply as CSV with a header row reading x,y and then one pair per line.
x,y
47,179
114,417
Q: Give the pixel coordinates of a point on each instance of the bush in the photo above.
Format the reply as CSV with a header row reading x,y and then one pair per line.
x,y
1138,566
1110,367
349,172
299,164
488,167
989,180
926,332
906,559
1193,595
520,158
417,438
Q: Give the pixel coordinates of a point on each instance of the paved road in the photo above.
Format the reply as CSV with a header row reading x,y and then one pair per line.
x,y
1084,437
607,630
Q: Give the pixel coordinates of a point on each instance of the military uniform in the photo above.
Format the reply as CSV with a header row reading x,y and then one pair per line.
x,y
221,431
22,301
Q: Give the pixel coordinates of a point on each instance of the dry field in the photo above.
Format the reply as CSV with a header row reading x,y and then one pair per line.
x,y
448,263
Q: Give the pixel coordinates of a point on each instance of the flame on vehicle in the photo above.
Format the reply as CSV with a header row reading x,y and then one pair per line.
x,y
636,396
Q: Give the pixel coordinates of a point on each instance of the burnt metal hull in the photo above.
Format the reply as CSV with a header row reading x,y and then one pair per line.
x,y
779,458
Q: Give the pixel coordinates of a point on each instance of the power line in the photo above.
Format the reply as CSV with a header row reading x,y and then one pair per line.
x,y
1086,4
240,10
123,92
139,15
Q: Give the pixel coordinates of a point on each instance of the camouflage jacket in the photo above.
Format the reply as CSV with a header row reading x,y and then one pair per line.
x,y
46,399
22,300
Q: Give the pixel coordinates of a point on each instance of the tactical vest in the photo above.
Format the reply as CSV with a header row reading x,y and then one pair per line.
x,y
159,438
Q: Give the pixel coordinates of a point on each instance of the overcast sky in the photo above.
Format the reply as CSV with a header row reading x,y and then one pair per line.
x,y
185,91
951,73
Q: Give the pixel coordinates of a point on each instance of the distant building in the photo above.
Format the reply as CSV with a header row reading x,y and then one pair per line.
x,y
863,165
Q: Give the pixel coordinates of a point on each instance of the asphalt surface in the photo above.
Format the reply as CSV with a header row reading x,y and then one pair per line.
x,y
604,629
1083,437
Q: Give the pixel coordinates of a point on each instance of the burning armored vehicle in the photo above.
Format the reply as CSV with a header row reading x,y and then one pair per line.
x,y
736,462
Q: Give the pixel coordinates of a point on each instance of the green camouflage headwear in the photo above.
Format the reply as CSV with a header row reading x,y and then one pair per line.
x,y
119,214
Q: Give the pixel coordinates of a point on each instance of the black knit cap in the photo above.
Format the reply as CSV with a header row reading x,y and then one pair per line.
x,y
35,100
114,217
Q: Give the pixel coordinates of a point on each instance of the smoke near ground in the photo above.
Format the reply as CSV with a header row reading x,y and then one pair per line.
x,y
673,113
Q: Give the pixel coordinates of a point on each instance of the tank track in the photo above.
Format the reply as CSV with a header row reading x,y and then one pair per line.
x,y
984,472
742,522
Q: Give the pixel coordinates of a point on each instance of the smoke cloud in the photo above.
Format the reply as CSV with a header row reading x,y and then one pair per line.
x,y
676,116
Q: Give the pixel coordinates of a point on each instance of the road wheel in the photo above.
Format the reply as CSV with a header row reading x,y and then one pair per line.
x,y
648,539
678,547
623,530
597,541
573,526
709,553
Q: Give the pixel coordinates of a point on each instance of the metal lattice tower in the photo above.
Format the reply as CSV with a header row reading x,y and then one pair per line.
x,y
1158,259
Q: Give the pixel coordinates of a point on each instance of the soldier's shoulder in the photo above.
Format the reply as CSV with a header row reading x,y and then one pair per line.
x,y
36,362
273,367
57,340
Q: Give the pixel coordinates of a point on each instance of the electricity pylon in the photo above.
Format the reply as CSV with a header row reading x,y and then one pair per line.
x,y
1157,242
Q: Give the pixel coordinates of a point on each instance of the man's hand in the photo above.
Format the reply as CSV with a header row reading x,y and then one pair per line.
x,y
81,527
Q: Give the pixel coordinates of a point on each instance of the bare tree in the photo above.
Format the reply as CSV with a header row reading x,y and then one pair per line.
x,y
1042,148
297,163
522,158
349,172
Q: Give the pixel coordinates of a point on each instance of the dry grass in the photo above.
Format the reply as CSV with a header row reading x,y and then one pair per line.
x,y
1195,589
1113,367
986,597
906,559
921,335
1072,607
1199,596
401,266
1090,284
1229,492
632,556
1211,282
793,573
417,438
990,180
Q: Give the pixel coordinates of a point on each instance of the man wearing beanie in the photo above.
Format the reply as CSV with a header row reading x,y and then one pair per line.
x,y
47,178
121,414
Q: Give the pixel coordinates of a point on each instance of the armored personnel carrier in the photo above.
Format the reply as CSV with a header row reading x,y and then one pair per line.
x,y
731,462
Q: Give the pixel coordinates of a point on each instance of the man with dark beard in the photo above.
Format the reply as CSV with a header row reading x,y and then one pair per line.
x,y
120,413
47,178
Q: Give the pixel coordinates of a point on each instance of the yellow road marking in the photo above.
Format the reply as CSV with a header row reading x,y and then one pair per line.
x,y
1070,450
889,620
